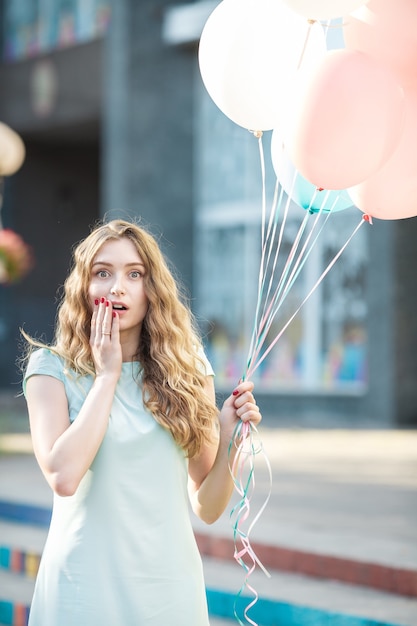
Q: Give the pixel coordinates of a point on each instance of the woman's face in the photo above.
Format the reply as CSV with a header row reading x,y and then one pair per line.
x,y
117,274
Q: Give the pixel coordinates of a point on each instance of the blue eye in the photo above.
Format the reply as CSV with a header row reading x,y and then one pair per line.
x,y
102,273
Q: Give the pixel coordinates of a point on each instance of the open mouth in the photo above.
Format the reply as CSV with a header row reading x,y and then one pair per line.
x,y
119,307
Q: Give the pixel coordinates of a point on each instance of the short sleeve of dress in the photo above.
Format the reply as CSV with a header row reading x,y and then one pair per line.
x,y
46,363
205,367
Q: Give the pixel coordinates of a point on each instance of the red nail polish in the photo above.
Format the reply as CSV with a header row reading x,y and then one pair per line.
x,y
236,392
96,301
107,303
114,313
102,300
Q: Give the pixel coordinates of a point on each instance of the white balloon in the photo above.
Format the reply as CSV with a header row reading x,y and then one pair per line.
x,y
324,9
249,52
12,151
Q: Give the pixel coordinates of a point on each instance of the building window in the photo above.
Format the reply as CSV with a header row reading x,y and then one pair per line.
x,y
32,28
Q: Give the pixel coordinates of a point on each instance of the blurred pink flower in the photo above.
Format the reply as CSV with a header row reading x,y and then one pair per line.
x,y
16,258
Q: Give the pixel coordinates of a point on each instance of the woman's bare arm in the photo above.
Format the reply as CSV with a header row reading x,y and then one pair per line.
x,y
210,482
63,450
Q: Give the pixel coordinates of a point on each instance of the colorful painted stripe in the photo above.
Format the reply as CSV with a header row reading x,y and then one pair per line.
x,y
13,613
19,561
272,612
222,604
25,513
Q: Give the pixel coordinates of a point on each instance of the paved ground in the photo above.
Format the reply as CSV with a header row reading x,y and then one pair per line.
x,y
342,499
342,493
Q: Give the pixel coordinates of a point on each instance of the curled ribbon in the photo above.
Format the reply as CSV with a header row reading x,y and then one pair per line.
x,y
248,446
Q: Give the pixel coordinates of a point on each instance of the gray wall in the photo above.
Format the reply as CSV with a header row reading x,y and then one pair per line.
x,y
404,341
50,203
147,131
54,198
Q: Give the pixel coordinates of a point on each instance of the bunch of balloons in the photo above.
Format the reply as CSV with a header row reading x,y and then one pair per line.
x,y
345,120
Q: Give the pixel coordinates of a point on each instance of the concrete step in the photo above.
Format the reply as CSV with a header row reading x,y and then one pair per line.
x,y
16,587
294,600
24,537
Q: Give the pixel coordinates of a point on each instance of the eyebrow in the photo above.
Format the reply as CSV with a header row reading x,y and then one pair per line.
x,y
107,264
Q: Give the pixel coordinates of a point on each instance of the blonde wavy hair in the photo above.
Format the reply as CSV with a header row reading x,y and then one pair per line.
x,y
173,377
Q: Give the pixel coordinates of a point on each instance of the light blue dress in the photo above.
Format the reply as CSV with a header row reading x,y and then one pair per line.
x,y
121,551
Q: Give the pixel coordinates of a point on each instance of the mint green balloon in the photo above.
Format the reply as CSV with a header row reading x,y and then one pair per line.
x,y
300,190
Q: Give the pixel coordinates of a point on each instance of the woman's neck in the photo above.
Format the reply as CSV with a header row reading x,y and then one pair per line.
x,y
129,346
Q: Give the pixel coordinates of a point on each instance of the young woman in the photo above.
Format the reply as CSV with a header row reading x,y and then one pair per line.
x,y
126,431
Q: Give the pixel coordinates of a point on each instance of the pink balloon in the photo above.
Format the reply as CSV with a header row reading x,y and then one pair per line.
x,y
349,123
386,30
391,193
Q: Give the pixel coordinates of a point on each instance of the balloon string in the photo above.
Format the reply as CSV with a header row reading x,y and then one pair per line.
x,y
243,440
273,218
272,227
262,327
271,236
310,24
266,267
262,161
277,303
304,254
255,365
242,470
271,272
263,212
290,281
291,271
269,309
289,259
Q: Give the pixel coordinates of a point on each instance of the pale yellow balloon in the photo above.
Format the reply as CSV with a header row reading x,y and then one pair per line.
x,y
12,151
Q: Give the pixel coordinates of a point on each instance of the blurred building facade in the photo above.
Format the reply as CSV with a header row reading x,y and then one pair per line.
x,y
108,99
